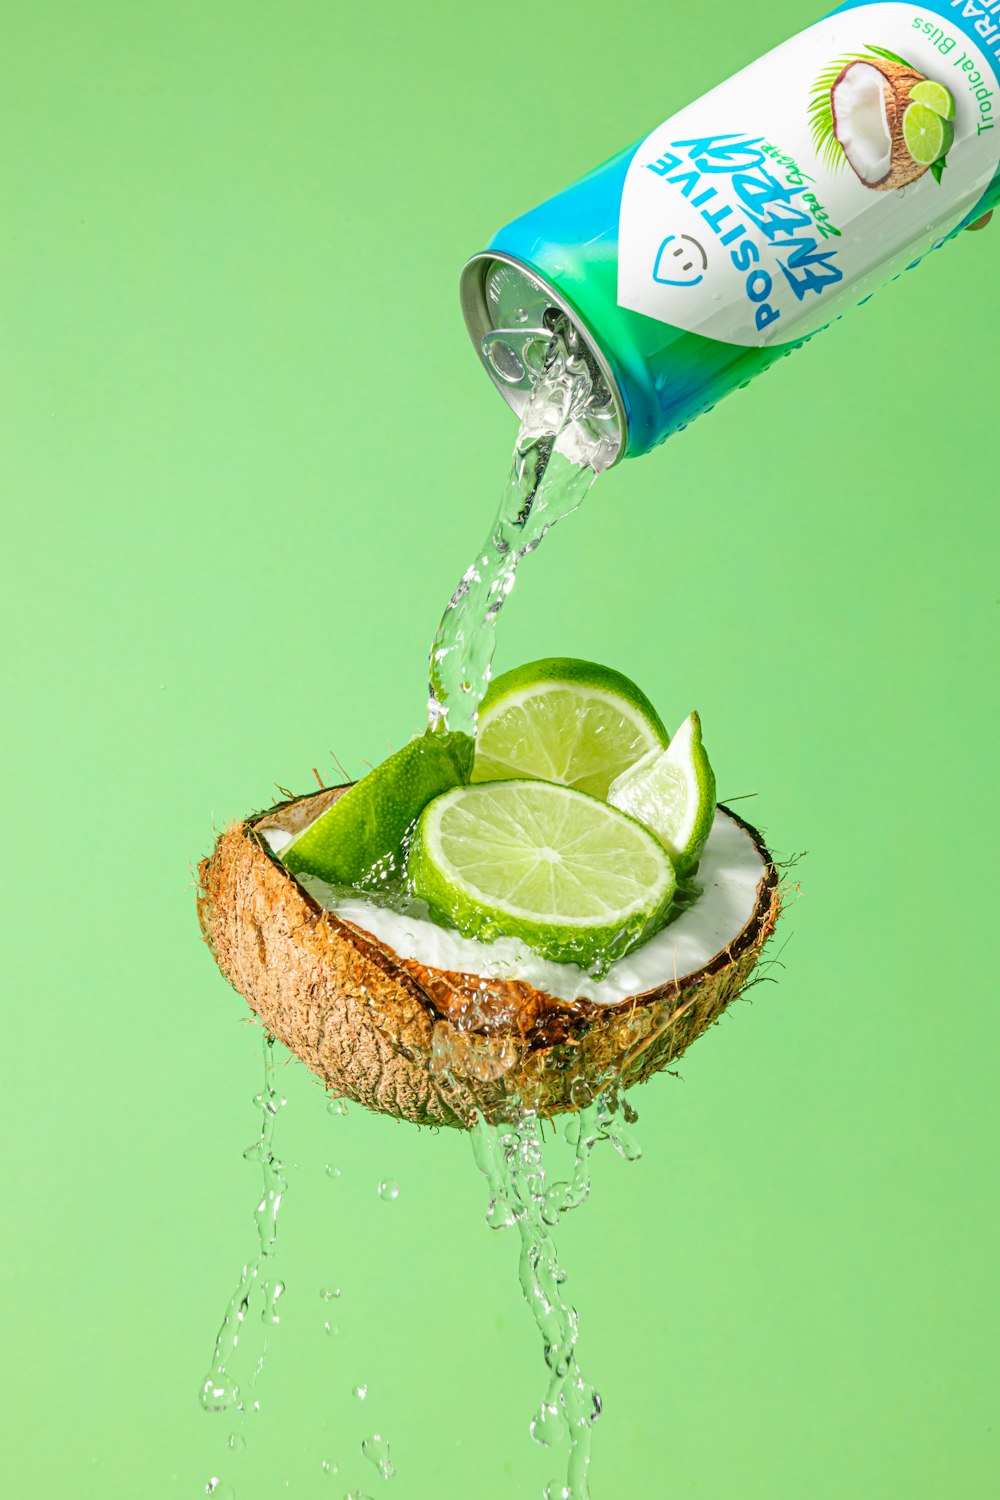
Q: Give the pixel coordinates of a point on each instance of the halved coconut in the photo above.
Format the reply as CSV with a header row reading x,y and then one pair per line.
x,y
868,99
437,1046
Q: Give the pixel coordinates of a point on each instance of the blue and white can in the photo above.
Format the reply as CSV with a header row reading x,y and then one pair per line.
x,y
754,217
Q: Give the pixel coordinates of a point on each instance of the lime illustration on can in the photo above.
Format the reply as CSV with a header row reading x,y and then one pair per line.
x,y
752,218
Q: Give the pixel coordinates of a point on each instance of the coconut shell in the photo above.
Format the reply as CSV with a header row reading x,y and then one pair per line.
x,y
423,1044
897,81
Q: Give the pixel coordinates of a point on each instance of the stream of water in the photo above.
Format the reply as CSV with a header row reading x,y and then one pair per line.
x,y
544,484
221,1390
526,1195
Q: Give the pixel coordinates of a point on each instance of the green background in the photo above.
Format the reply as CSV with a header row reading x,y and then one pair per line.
x,y
248,451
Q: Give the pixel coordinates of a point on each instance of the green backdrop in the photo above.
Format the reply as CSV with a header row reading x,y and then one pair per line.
x,y
248,451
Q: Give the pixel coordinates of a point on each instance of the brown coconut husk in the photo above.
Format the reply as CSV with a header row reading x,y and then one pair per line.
x,y
422,1044
897,81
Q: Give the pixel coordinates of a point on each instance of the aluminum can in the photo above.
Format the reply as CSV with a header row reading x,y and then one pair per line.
x,y
754,217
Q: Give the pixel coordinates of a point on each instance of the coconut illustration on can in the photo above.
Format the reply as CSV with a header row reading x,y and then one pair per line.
x,y
889,122
868,102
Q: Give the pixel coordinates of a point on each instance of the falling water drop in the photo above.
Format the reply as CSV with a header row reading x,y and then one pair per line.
x,y
361,1391
376,1450
388,1188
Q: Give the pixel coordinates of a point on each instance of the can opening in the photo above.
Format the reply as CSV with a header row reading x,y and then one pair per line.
x,y
511,315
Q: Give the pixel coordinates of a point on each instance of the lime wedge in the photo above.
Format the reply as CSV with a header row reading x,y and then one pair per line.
x,y
672,792
567,721
935,96
359,840
927,136
568,875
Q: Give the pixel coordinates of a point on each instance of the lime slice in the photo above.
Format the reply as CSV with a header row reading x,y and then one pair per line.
x,y
672,792
359,840
568,875
927,136
935,96
566,721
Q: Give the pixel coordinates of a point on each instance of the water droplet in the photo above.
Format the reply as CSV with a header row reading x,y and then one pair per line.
x,y
624,1142
329,1467
361,1391
220,1489
337,1107
356,1495
544,1426
388,1188
581,1093
219,1392
500,1215
237,1442
272,1294
329,1292
333,1329
331,1170
557,1491
376,1450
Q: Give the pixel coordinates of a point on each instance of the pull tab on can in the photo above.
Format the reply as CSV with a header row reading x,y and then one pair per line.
x,y
515,355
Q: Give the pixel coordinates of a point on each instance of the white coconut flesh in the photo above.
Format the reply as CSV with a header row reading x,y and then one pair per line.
x,y
730,873
861,122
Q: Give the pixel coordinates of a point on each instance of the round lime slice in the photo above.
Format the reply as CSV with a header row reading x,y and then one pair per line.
x,y
672,793
566,721
927,136
359,840
568,875
935,96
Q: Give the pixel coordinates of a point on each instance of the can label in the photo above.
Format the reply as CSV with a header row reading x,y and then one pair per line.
x,y
818,171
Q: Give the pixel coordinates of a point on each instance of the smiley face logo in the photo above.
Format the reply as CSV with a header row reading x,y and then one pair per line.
x,y
680,261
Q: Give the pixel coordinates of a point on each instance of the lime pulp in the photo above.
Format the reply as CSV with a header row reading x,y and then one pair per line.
x,y
935,96
570,876
927,136
566,721
672,793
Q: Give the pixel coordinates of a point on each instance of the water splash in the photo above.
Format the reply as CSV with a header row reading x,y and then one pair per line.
x,y
524,1192
220,1390
556,458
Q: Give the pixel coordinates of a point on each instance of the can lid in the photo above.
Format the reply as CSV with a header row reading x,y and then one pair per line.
x,y
511,313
